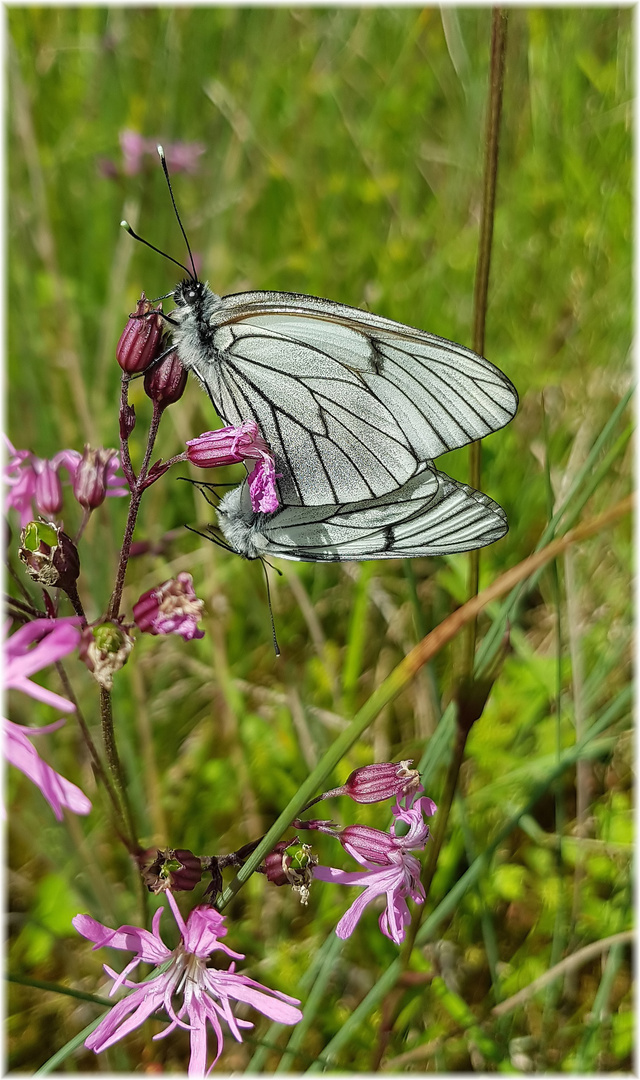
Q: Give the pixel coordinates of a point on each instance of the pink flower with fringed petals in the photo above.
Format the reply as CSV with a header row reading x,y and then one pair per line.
x,y
389,868
207,993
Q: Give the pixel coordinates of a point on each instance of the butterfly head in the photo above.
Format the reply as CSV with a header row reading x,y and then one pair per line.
x,y
189,293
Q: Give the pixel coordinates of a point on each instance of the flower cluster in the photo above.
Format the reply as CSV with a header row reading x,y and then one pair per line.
x,y
33,480
389,867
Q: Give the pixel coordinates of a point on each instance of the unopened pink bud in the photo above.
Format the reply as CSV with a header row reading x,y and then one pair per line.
x,y
373,783
165,382
48,493
141,339
92,476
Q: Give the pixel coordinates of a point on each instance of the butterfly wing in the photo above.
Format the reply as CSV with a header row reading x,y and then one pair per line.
x,y
350,403
430,515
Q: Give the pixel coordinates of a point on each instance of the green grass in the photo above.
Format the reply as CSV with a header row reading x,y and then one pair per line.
x,y
344,155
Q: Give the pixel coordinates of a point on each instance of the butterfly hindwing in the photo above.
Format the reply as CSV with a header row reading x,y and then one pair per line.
x,y
432,514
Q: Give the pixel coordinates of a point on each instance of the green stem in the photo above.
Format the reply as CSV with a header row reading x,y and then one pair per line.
x,y
483,267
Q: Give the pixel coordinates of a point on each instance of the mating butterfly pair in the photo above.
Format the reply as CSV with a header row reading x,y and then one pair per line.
x,y
354,408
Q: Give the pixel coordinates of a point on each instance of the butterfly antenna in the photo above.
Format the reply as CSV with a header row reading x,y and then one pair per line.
x,y
212,538
127,228
273,625
175,209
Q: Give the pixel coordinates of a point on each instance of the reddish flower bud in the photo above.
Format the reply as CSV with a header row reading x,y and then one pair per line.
x,y
141,339
105,649
166,381
48,490
94,473
373,783
170,608
50,557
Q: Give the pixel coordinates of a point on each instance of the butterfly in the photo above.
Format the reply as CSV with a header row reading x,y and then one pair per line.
x,y
431,514
351,404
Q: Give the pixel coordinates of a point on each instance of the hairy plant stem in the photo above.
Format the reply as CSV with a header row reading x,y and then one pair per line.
x,y
98,767
137,486
111,750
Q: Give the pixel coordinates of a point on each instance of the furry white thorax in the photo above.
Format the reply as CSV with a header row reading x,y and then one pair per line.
x,y
195,307
237,522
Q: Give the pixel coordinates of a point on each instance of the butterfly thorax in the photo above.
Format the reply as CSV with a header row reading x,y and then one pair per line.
x,y
240,525
195,306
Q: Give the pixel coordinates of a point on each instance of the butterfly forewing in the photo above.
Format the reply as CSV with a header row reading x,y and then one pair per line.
x,y
351,403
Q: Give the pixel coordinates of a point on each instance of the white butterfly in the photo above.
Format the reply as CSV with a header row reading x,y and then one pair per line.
x,y
429,515
351,404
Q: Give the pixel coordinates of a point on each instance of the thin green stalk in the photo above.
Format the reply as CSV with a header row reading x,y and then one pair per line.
x,y
483,266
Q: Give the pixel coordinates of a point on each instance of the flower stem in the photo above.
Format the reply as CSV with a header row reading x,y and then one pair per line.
x,y
137,488
113,759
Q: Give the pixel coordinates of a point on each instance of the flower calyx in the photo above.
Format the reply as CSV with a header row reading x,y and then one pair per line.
x,y
50,557
105,649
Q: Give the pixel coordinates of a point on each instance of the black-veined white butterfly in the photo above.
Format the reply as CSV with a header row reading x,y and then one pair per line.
x,y
431,514
351,404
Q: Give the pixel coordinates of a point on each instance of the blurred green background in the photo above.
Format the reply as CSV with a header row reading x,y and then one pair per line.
x,y
343,154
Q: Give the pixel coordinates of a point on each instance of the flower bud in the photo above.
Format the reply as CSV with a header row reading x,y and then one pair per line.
x,y
373,783
105,649
170,608
92,476
177,869
141,339
50,557
48,490
166,381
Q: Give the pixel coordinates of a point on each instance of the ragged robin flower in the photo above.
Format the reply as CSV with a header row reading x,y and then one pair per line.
x,y
183,985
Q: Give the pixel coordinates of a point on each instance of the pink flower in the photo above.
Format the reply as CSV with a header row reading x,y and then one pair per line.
x,y
262,486
51,640
32,479
170,608
58,791
207,992
390,869
228,445
30,649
